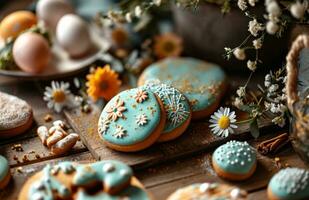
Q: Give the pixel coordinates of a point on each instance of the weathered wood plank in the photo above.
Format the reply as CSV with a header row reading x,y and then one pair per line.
x,y
258,195
163,179
29,141
196,138
32,147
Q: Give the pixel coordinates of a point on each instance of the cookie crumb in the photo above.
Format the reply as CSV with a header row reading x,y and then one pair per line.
x,y
19,170
86,108
25,158
48,118
17,147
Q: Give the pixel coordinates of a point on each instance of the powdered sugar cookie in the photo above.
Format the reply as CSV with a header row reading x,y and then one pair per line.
x,y
104,180
202,83
15,115
177,110
131,121
5,174
289,184
209,191
234,160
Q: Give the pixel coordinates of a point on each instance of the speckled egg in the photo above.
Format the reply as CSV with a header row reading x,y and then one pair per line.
x,y
16,22
31,52
73,35
51,11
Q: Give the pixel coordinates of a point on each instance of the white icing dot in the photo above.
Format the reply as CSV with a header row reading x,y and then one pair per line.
x,y
124,172
108,167
38,186
237,193
37,196
204,187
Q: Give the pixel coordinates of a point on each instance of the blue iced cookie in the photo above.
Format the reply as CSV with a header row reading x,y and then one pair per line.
x,y
177,108
5,174
104,180
289,184
202,83
132,120
234,160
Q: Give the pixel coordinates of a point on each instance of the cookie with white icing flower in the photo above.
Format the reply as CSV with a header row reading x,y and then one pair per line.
x,y
209,191
234,160
177,110
5,174
104,180
202,83
289,184
15,116
132,120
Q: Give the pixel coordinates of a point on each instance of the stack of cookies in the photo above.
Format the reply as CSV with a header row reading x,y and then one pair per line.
x,y
162,107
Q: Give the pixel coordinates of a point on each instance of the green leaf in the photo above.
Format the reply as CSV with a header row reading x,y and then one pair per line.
x,y
254,129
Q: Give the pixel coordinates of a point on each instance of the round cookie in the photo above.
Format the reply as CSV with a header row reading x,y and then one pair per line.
x,y
177,110
234,160
5,174
132,120
202,83
289,184
104,180
15,116
208,191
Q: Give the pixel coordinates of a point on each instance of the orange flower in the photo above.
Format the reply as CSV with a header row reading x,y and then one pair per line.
x,y
167,45
103,83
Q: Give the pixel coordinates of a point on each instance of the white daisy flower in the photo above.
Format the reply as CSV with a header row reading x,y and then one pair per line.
x,y
223,122
58,96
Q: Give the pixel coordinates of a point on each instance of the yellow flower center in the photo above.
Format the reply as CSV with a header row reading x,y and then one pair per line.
x,y
224,122
58,96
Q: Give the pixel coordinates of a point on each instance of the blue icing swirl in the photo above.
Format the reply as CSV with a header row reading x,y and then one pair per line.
x,y
176,105
44,188
199,81
290,184
131,192
235,157
130,117
111,173
4,167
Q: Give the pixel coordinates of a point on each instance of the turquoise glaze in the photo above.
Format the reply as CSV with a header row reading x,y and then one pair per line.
x,y
128,128
132,193
235,157
176,105
199,81
290,184
110,173
43,188
4,167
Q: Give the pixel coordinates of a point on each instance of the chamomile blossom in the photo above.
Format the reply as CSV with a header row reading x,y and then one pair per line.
x,y
58,96
223,122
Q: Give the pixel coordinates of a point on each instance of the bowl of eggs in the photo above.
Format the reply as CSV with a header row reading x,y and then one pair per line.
x,y
53,42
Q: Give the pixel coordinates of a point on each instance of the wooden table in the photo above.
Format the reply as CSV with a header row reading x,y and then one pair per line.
x,y
162,168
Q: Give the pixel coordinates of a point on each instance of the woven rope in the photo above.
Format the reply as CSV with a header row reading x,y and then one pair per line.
x,y
292,58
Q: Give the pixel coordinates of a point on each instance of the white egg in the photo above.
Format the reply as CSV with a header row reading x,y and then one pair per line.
x,y
51,11
73,35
